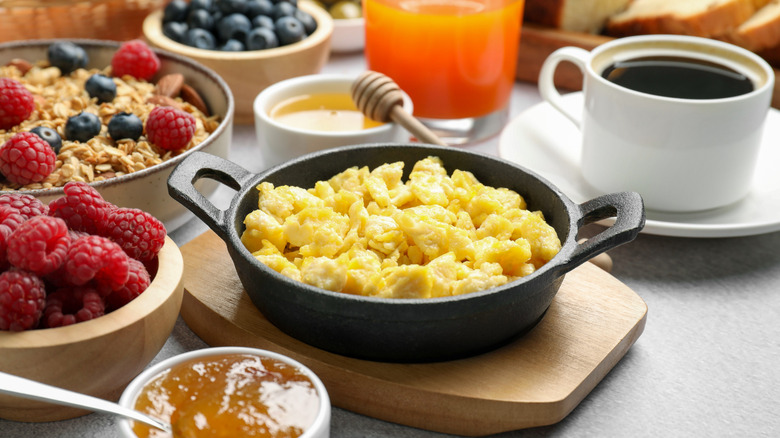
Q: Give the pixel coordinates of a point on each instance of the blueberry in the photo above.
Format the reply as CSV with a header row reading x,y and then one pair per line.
x,y
263,21
234,26
289,30
176,10
125,125
67,56
207,5
175,30
259,7
261,38
200,18
101,87
232,6
309,23
232,46
200,38
283,9
82,127
49,136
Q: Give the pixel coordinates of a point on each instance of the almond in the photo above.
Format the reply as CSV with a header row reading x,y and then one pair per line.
x,y
22,65
164,101
170,85
189,95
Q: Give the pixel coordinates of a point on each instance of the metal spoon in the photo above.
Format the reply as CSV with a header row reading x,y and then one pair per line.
x,y
25,388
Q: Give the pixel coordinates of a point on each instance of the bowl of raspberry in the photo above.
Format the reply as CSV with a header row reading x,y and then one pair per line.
x,y
251,44
89,293
117,115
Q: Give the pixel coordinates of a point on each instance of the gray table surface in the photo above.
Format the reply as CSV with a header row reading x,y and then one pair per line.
x,y
707,364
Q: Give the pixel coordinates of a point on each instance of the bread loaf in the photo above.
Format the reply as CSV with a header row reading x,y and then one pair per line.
x,y
704,18
759,32
573,15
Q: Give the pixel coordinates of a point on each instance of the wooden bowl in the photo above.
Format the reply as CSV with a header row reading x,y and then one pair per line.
x,y
98,357
248,73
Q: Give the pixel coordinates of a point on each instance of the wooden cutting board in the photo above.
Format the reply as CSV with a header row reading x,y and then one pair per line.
x,y
537,43
534,381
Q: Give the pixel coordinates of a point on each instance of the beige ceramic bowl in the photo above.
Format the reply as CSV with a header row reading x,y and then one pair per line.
x,y
247,73
279,142
146,189
320,428
97,357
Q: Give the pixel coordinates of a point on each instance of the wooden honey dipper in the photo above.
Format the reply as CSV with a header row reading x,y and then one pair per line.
x,y
379,98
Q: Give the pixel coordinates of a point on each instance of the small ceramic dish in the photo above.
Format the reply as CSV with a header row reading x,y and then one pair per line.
x,y
97,357
395,329
319,427
348,35
145,189
247,73
280,142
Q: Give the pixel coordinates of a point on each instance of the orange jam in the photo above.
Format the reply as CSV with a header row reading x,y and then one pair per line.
x,y
231,395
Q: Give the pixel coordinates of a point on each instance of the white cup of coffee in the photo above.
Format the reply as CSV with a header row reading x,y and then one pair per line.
x,y
677,119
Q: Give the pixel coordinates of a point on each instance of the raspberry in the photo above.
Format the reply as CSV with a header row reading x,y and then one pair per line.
x,y
26,158
22,300
39,245
139,233
27,205
99,259
170,128
137,282
82,207
16,103
66,306
136,59
10,220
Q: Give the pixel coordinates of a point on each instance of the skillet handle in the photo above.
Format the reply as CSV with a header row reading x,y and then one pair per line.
x,y
181,186
628,210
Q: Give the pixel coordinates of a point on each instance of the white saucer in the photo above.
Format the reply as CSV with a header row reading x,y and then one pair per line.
x,y
543,140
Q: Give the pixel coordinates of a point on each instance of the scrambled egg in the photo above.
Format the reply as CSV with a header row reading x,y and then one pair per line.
x,y
370,233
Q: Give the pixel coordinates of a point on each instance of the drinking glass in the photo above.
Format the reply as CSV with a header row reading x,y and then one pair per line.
x,y
456,59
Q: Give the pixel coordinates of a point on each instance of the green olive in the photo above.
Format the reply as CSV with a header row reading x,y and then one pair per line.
x,y
345,9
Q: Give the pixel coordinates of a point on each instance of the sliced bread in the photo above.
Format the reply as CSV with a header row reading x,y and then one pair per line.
x,y
573,15
705,18
759,32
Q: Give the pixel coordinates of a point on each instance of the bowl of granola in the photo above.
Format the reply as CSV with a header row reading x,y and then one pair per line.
x,y
103,107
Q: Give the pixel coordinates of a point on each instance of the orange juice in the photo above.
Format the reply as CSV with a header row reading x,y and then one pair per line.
x,y
455,58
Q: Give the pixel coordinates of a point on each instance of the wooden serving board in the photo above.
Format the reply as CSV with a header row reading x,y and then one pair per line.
x,y
537,43
534,381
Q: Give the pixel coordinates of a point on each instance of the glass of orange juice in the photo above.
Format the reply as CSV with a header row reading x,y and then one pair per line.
x,y
456,59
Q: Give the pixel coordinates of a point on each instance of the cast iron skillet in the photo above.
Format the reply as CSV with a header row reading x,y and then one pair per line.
x,y
404,330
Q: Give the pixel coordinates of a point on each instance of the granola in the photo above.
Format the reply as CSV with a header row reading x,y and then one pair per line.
x,y
58,97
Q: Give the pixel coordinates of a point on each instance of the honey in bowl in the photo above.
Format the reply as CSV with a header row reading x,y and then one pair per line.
x,y
322,112
230,395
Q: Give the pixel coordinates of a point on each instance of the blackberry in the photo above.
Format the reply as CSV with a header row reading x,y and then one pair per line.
x,y
67,56
233,26
261,38
101,87
82,127
125,125
50,136
289,30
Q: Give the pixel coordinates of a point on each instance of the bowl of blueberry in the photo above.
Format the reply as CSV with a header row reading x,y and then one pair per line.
x,y
118,116
251,44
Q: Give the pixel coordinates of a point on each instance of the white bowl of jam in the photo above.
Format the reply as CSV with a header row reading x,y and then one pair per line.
x,y
311,113
229,391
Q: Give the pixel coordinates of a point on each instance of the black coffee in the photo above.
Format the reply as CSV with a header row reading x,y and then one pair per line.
x,y
682,78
